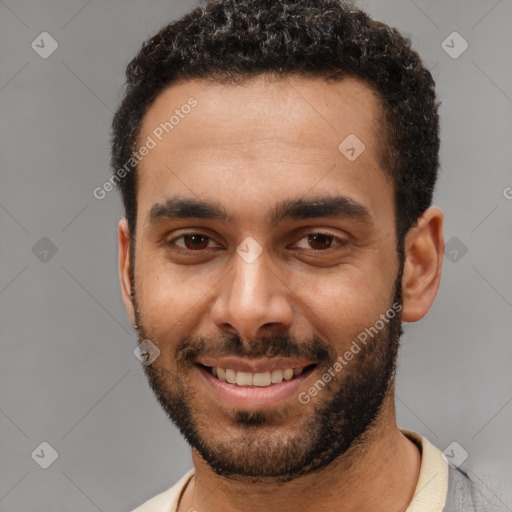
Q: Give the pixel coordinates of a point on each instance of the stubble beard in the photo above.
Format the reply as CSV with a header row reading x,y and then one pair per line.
x,y
283,443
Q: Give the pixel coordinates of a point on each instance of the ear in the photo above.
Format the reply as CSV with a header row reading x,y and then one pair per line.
x,y
424,253
125,270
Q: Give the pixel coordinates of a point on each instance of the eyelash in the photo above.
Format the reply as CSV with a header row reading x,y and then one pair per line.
x,y
341,242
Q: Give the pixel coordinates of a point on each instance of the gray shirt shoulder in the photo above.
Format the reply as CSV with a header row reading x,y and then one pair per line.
x,y
465,495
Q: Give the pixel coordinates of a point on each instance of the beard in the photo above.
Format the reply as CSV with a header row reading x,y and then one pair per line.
x,y
287,442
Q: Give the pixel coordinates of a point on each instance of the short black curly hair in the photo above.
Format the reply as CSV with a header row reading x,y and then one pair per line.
x,y
227,41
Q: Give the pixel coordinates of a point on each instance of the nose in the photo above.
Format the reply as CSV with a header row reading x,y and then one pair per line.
x,y
253,300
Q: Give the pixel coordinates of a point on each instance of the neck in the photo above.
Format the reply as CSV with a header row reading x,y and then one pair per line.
x,y
378,475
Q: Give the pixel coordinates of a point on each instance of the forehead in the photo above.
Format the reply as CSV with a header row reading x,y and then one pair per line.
x,y
262,138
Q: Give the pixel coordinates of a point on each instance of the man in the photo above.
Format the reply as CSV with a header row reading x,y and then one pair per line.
x,y
277,162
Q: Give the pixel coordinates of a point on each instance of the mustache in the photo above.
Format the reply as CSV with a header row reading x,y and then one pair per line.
x,y
315,349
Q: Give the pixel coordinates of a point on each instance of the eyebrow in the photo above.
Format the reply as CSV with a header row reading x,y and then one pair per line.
x,y
291,209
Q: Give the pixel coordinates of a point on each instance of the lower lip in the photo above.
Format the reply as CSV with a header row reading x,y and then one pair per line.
x,y
252,396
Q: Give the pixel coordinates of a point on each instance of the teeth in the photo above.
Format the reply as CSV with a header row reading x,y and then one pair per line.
x,y
288,374
244,379
261,379
277,376
230,376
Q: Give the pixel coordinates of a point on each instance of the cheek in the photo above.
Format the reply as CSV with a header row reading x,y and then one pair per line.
x,y
341,304
172,300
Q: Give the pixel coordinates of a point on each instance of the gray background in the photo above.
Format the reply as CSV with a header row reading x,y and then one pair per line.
x,y
68,373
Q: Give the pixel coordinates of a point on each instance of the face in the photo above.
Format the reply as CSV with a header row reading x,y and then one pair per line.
x,y
263,253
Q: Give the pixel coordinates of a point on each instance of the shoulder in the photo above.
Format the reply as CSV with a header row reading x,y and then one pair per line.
x,y
167,500
468,495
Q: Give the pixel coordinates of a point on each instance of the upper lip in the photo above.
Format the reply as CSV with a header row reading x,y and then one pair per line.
x,y
261,365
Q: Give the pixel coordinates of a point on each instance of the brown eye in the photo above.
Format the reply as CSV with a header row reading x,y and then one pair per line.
x,y
195,241
192,242
320,241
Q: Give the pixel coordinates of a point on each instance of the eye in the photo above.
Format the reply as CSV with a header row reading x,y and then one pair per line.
x,y
195,242
322,241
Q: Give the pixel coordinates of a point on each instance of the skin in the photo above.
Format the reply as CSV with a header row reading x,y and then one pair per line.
x,y
248,147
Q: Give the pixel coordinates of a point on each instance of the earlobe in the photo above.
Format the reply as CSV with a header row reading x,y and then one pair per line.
x,y
125,270
424,252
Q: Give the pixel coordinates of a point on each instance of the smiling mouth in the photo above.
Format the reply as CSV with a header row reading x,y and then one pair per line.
x,y
256,379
